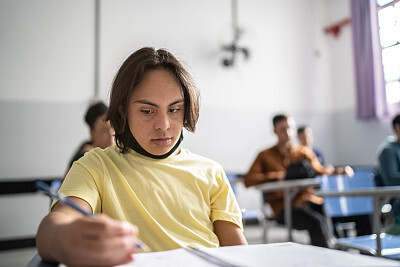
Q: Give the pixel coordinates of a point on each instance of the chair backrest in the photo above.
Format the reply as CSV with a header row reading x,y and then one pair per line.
x,y
248,198
234,179
348,206
251,214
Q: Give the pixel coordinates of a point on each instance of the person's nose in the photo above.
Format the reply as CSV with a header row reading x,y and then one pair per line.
x,y
287,133
162,122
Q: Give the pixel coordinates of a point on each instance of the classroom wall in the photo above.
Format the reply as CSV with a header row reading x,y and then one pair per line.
x,y
355,141
47,77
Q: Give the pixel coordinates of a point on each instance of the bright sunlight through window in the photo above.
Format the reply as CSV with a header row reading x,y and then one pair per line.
x,y
389,34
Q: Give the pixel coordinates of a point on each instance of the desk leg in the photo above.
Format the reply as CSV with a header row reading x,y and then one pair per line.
x,y
288,213
377,225
289,194
265,223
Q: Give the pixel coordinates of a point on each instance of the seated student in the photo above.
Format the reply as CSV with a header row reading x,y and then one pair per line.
x,y
306,138
146,186
363,222
101,132
271,165
389,170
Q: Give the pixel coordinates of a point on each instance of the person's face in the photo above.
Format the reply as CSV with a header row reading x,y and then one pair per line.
x,y
306,137
102,134
156,112
397,129
284,130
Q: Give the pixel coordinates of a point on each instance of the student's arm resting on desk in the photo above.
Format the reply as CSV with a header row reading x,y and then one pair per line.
x,y
329,169
258,175
258,178
229,234
346,170
69,237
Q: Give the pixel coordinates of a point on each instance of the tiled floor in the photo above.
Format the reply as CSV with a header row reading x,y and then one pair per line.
x,y
275,234
21,257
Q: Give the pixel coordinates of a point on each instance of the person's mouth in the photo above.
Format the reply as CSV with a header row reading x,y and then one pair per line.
x,y
162,141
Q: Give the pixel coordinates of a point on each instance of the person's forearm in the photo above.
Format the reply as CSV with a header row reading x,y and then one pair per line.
x,y
252,179
346,170
47,235
229,234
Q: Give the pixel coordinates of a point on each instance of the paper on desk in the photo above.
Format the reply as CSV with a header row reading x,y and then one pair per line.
x,y
278,254
177,257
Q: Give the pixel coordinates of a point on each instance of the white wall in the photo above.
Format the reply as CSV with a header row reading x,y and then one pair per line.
x,y
46,50
47,76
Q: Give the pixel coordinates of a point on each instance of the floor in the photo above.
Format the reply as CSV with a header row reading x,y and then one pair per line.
x,y
17,257
21,257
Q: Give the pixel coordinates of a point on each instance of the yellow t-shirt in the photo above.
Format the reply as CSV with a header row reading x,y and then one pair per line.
x,y
173,201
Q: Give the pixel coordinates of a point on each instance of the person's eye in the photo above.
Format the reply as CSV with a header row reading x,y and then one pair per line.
x,y
174,110
147,111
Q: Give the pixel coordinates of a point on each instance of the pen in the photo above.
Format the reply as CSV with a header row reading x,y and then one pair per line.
x,y
52,192
209,257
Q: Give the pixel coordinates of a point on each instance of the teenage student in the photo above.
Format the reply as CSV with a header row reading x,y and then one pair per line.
x,y
389,170
146,187
101,132
363,222
306,138
271,165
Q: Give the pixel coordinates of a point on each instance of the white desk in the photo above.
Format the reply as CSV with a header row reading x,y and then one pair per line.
x,y
277,254
380,196
290,188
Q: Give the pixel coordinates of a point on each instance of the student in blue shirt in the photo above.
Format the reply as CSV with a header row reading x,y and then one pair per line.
x,y
389,169
306,138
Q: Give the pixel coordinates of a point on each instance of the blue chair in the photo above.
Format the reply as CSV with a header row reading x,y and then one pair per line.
x,y
350,206
367,245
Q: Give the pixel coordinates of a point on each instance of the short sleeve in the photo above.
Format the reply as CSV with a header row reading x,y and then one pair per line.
x,y
82,181
224,205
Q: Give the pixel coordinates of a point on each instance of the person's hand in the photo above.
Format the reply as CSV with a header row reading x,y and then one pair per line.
x,y
348,171
96,242
329,168
280,175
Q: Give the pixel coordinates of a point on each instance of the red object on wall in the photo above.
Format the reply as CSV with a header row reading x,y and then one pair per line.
x,y
335,28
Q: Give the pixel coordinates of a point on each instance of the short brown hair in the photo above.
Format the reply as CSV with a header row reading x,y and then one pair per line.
x,y
279,118
131,73
396,120
94,112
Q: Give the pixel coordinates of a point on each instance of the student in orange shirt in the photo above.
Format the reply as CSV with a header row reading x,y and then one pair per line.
x,y
271,165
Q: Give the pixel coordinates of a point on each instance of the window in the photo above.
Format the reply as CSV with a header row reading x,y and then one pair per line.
x,y
389,35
